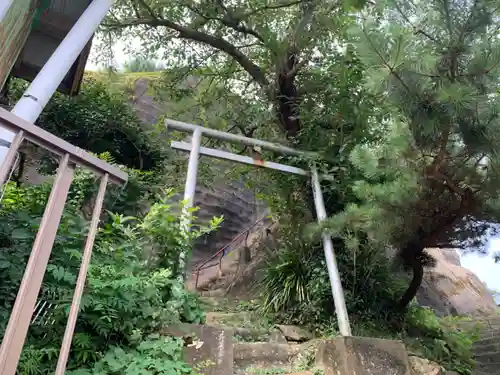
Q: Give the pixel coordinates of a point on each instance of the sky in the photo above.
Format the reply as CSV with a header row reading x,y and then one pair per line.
x,y
120,54
484,266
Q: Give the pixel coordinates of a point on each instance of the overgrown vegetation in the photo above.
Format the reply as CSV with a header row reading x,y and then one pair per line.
x,y
295,289
398,99
406,127
404,117
139,64
132,288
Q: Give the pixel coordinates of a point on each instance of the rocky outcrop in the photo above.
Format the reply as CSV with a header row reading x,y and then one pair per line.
x,y
450,289
294,333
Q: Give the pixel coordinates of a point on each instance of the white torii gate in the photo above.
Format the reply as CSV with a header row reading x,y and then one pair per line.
x,y
195,150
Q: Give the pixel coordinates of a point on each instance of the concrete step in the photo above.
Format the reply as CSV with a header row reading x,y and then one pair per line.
x,y
246,326
264,355
233,319
271,371
491,368
490,333
487,340
486,324
487,357
274,358
487,348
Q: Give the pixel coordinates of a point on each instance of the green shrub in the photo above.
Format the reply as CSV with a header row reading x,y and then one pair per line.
x,y
129,295
154,355
440,339
295,282
101,120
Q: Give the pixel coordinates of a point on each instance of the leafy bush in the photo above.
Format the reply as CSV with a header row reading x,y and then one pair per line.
x,y
155,355
440,339
129,294
296,285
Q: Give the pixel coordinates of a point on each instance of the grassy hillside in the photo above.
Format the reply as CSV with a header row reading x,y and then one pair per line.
x,y
122,81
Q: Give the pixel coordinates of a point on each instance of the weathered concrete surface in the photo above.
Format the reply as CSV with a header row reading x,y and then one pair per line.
x,y
263,354
487,349
268,358
362,356
209,350
422,366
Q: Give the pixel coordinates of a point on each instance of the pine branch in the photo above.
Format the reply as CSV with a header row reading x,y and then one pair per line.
x,y
449,223
385,63
416,30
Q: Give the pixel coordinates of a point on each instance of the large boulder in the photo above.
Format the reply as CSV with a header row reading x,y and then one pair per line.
x,y
450,289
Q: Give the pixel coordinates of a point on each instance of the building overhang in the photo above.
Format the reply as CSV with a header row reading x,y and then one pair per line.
x,y
51,24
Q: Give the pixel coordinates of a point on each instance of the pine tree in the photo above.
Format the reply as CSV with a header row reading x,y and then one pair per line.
x,y
433,181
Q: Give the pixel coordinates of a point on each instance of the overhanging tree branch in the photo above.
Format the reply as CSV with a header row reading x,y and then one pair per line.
x,y
278,5
229,20
216,42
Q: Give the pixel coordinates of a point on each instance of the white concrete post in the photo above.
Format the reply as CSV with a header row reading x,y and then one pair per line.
x,y
331,262
195,150
190,189
4,8
192,171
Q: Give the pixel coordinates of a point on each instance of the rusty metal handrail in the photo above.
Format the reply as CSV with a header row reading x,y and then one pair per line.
x,y
221,250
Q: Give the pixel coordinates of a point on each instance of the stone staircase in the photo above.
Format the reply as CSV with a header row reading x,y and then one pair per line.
x,y
258,346
487,348
238,341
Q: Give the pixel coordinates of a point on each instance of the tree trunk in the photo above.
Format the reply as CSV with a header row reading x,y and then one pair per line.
x,y
411,292
286,95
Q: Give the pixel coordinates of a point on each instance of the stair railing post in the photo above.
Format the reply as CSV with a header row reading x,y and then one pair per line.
x,y
20,317
82,276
